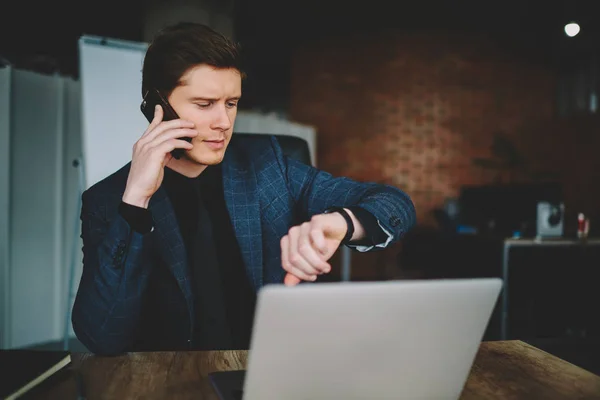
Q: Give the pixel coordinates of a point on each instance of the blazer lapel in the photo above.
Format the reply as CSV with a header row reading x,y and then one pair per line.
x,y
241,198
170,242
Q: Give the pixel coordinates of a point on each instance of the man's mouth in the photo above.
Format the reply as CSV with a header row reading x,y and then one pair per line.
x,y
215,144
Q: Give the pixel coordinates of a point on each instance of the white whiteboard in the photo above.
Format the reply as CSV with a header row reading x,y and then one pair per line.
x,y
111,87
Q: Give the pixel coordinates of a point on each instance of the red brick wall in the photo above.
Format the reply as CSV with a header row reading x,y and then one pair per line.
x,y
414,110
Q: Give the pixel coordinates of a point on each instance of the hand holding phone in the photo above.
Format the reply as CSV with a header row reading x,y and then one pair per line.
x,y
152,98
152,152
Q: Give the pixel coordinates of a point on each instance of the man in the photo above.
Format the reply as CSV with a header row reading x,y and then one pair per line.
x,y
175,250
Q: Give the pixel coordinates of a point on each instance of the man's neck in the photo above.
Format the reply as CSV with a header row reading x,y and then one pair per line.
x,y
186,167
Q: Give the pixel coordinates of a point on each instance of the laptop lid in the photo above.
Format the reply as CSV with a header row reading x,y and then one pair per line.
x,y
367,340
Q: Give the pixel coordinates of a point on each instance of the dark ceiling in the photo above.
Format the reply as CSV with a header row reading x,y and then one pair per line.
x,y
527,23
44,36
52,27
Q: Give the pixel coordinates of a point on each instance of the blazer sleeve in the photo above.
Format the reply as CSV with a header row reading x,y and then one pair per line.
x,y
315,191
115,275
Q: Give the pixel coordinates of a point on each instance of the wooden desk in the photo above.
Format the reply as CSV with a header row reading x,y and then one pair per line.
x,y
502,370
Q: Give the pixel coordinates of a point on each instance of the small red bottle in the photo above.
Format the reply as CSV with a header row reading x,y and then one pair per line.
x,y
580,225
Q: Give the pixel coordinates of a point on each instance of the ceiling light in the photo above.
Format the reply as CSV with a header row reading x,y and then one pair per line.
x,y
572,29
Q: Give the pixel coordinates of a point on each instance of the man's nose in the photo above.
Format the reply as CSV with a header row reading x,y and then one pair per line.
x,y
221,119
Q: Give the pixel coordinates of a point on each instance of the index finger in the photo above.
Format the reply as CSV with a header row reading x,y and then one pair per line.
x,y
158,116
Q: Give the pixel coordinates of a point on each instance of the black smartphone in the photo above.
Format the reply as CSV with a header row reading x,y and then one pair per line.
x,y
151,99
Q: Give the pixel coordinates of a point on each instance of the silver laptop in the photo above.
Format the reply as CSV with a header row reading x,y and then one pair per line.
x,y
363,340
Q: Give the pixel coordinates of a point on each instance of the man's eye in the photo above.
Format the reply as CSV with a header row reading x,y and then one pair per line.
x,y
203,105
232,104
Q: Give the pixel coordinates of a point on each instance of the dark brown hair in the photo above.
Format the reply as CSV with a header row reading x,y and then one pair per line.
x,y
177,48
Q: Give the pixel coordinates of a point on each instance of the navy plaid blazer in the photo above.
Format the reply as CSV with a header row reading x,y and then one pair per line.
x,y
266,194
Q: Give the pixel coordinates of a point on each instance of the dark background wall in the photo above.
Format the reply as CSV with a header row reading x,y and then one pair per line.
x,y
423,112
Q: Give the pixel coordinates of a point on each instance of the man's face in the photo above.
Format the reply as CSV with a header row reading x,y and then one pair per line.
x,y
208,97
